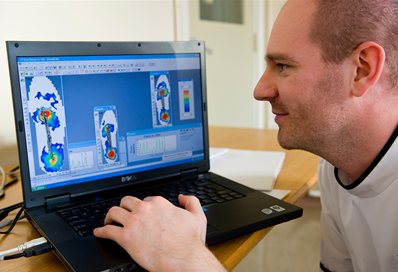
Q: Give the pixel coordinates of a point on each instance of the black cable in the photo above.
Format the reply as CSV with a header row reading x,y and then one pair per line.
x,y
32,251
12,174
13,222
38,250
12,178
9,182
12,207
5,211
14,256
14,169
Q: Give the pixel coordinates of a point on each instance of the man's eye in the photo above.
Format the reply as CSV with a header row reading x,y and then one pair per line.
x,y
282,67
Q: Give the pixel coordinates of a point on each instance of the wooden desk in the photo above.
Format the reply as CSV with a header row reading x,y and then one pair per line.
x,y
298,174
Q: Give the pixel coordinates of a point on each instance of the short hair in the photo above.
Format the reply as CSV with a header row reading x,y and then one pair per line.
x,y
340,26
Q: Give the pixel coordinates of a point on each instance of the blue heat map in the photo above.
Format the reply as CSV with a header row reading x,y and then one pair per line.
x,y
161,93
47,111
106,135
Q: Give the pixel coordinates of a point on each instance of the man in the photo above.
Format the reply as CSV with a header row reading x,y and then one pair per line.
x,y
332,81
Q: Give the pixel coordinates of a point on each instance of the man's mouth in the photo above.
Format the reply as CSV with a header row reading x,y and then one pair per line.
x,y
279,116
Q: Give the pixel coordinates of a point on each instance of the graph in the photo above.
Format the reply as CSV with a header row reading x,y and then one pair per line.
x,y
81,160
154,145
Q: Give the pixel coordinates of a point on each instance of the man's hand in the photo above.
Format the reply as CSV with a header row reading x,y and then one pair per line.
x,y
160,236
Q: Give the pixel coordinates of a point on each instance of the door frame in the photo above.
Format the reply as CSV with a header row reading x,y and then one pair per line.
x,y
182,33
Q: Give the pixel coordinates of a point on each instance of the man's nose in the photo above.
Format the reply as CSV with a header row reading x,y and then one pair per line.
x,y
265,89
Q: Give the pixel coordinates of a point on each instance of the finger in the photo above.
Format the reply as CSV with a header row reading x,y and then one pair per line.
x,y
152,198
191,203
129,202
108,232
116,214
157,200
149,198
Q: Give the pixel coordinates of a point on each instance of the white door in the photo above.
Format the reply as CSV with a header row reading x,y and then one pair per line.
x,y
233,62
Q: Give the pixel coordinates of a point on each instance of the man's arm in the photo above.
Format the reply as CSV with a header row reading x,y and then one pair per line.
x,y
160,236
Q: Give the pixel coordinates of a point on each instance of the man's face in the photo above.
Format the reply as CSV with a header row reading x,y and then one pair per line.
x,y
306,94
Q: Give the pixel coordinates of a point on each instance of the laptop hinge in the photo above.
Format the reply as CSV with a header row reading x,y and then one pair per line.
x,y
57,201
189,174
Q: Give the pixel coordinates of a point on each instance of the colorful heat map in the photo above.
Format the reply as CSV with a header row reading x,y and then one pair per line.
x,y
107,135
47,112
164,115
162,90
186,101
53,159
48,97
163,99
46,115
110,151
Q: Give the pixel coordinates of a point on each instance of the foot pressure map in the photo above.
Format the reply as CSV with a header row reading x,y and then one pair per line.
x,y
47,111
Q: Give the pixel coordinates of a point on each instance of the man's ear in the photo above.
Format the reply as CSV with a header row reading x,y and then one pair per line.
x,y
369,58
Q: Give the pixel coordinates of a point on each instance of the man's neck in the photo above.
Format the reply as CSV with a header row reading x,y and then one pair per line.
x,y
356,153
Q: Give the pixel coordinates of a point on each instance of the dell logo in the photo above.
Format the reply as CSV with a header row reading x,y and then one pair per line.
x,y
129,178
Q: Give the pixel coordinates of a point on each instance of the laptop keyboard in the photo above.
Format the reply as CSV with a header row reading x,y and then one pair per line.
x,y
84,218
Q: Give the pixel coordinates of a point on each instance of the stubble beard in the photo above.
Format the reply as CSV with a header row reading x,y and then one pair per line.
x,y
314,125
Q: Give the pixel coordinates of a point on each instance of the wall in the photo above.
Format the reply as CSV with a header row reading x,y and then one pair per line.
x,y
272,9
238,52
231,60
74,20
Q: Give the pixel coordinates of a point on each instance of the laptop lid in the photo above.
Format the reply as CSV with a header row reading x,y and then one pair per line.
x,y
97,116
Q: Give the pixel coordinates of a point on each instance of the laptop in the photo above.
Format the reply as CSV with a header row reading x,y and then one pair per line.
x,y
99,120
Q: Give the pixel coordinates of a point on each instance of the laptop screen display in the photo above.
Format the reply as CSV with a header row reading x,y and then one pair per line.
x,y
93,117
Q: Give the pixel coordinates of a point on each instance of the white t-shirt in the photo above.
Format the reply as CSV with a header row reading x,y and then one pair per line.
x,y
359,222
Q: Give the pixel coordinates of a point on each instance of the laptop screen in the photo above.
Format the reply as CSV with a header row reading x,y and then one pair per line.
x,y
93,117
